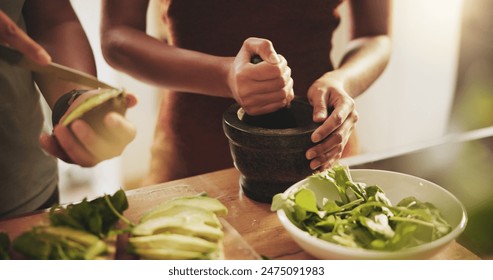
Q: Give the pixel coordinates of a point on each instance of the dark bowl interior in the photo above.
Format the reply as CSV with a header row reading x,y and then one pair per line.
x,y
269,150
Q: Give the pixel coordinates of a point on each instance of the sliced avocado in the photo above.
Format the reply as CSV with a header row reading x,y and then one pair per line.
x,y
173,241
169,254
191,212
79,236
47,242
199,230
181,225
217,254
94,108
205,202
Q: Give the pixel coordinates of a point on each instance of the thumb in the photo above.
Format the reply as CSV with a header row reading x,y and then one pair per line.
x,y
51,146
317,98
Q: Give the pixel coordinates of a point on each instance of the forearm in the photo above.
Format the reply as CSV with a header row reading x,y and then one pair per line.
x,y
54,25
363,63
369,50
132,51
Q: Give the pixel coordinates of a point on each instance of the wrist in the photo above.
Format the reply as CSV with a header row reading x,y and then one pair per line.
x,y
226,76
63,103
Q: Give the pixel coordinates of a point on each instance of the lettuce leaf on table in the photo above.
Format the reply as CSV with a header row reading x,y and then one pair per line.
x,y
95,216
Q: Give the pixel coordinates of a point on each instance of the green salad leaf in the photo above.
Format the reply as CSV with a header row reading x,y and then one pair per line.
x,y
4,246
362,216
59,243
97,216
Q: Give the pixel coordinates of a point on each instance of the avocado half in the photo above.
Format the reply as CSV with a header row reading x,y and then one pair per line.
x,y
94,108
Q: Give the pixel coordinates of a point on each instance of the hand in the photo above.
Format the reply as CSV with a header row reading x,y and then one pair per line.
x,y
81,145
13,36
331,137
264,87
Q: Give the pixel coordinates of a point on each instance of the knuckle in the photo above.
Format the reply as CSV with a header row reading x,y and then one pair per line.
x,y
355,116
283,83
277,71
338,137
338,119
351,103
9,30
265,43
339,148
250,110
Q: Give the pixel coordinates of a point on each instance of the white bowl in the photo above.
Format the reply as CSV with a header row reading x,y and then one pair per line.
x,y
396,186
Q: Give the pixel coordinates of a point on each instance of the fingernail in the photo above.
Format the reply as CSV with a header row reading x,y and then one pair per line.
x,y
310,155
315,164
43,56
321,115
316,137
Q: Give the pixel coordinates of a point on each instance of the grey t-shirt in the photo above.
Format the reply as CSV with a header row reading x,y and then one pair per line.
x,y
28,176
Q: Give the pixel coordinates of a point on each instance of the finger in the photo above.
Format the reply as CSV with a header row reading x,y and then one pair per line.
x,y
318,99
120,128
334,121
73,147
334,140
262,47
272,85
131,100
333,146
325,160
12,35
51,146
96,145
266,71
332,161
268,102
120,132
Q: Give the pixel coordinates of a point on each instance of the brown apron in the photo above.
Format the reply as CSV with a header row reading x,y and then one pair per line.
x,y
189,139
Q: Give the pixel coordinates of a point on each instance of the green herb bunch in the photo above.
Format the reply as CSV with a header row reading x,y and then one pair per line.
x,y
76,231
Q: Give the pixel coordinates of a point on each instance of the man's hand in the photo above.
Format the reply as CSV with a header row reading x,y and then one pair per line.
x,y
80,144
13,36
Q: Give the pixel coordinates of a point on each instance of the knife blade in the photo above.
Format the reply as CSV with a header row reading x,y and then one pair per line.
x,y
14,57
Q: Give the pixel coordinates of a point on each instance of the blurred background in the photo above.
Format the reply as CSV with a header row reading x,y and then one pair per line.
x,y
438,82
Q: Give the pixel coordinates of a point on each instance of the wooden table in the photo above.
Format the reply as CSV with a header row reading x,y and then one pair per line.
x,y
254,221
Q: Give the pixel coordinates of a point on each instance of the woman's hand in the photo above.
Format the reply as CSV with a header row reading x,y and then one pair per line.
x,y
81,145
333,106
12,35
264,87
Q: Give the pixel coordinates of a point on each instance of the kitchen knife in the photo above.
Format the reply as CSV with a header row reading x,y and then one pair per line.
x,y
65,73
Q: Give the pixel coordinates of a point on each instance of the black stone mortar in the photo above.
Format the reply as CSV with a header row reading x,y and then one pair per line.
x,y
269,150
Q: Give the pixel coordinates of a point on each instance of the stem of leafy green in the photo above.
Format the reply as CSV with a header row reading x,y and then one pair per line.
x,y
120,216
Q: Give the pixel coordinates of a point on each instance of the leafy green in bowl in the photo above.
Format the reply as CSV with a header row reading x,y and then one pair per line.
x,y
369,214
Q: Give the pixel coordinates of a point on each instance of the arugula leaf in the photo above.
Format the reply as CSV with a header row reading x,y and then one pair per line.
x,y
4,246
96,216
306,199
378,225
58,243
